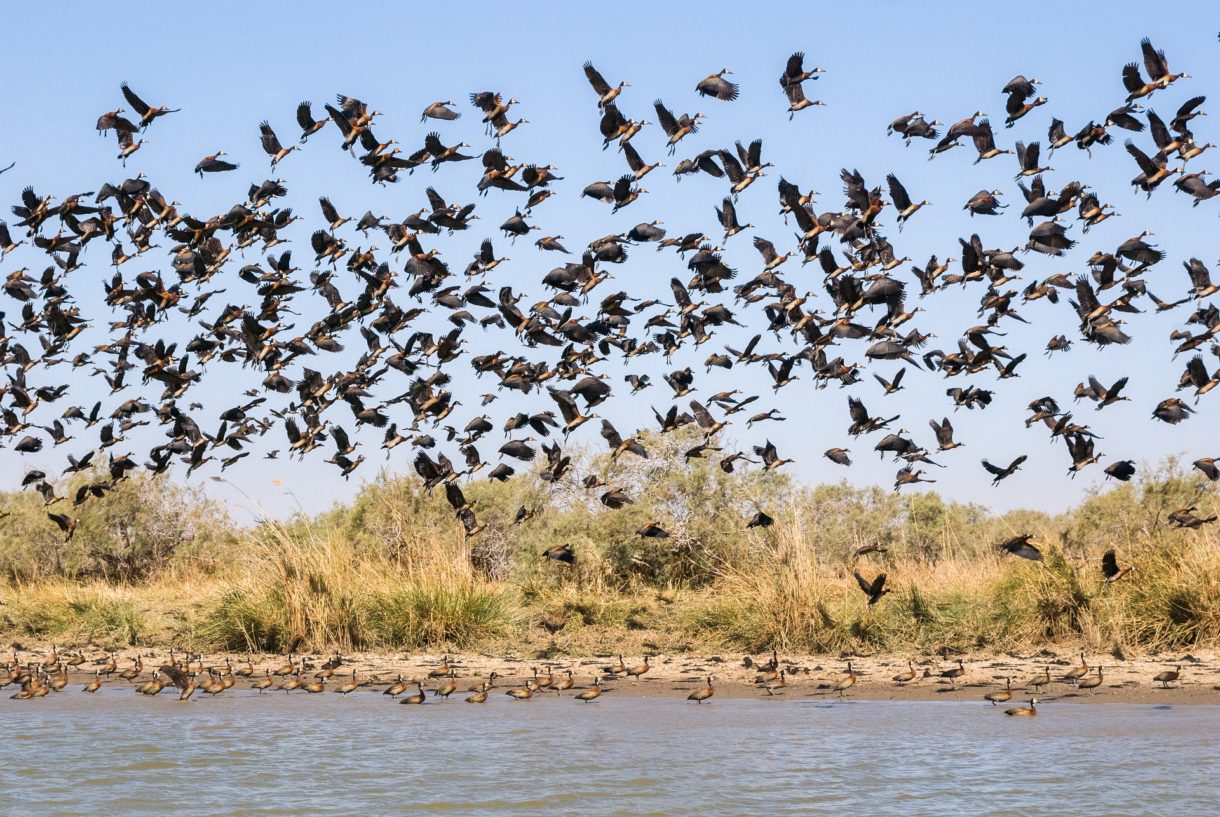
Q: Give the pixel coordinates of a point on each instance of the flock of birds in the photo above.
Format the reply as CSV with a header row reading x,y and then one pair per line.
x,y
188,674
377,280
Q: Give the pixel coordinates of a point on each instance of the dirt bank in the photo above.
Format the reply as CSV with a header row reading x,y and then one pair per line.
x,y
1128,680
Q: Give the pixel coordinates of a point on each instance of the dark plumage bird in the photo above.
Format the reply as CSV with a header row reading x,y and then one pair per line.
x,y
1110,569
1001,474
874,589
1020,546
214,164
715,85
560,553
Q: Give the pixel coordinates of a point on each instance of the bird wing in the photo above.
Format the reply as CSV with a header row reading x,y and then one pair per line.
x,y
795,67
665,117
271,143
680,293
898,193
596,80
140,105
1154,60
1132,80
1146,165
305,116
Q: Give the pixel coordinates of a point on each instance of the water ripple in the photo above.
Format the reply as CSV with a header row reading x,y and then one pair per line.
x,y
247,756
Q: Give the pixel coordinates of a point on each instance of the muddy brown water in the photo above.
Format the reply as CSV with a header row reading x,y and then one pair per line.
x,y
244,754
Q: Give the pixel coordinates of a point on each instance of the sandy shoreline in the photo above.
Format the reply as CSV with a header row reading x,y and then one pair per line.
x,y
1125,681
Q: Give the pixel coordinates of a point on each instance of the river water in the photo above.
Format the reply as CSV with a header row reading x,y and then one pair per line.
x,y
118,753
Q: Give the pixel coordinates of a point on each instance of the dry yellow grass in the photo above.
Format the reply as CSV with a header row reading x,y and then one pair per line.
x,y
393,571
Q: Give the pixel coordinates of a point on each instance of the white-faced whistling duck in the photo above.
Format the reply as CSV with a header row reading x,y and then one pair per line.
x,y
1076,673
616,669
1039,681
954,673
132,672
846,682
293,682
635,672
1001,697
271,143
397,688
487,684
147,112
59,680
417,698
797,101
443,670
287,669
214,686
185,691
717,86
701,695
263,683
545,681
563,683
186,684
1110,569
768,675
448,688
95,683
1090,681
874,589
591,694
1168,677
479,697
245,672
110,667
1023,711
152,686
309,125
606,93
779,683
902,200
212,163
313,687
522,693
908,676
440,110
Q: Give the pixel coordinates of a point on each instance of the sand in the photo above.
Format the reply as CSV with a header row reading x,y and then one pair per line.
x,y
1126,680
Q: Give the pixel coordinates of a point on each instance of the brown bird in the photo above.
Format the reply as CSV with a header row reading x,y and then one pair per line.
x,y
846,682
591,694
1076,673
1168,676
1001,697
639,669
701,695
874,589
1091,681
953,673
1024,711
147,112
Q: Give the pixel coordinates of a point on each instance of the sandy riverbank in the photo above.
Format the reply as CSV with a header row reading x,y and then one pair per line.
x,y
1124,681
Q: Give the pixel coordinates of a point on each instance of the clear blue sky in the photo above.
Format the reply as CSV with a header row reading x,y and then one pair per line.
x,y
230,65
